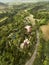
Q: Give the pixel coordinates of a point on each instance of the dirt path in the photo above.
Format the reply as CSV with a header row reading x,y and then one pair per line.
x,y
3,19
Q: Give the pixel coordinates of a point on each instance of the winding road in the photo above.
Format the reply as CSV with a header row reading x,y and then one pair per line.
x,y
32,59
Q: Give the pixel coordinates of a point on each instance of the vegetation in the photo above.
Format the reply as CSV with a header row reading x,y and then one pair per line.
x,y
13,34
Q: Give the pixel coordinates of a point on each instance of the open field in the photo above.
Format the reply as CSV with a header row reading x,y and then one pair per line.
x,y
45,30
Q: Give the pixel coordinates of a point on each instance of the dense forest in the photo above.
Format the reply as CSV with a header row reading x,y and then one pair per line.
x,y
22,36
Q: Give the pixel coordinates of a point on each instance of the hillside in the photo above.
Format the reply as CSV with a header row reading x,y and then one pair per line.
x,y
24,34
3,5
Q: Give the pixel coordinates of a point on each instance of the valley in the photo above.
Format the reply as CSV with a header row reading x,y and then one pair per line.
x,y
24,34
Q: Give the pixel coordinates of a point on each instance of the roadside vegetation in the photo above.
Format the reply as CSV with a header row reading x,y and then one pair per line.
x,y
19,37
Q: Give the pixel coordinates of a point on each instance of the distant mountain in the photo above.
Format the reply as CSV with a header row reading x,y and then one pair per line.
x,y
3,5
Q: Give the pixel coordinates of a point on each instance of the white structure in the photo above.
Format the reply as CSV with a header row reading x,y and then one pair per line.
x,y
28,28
25,43
22,45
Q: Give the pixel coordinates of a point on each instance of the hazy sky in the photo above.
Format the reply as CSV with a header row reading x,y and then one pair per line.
x,y
21,0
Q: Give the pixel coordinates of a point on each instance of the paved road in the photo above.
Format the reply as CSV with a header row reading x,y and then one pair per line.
x,y
31,60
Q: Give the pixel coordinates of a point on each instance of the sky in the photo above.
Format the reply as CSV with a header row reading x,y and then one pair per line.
x,y
21,0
